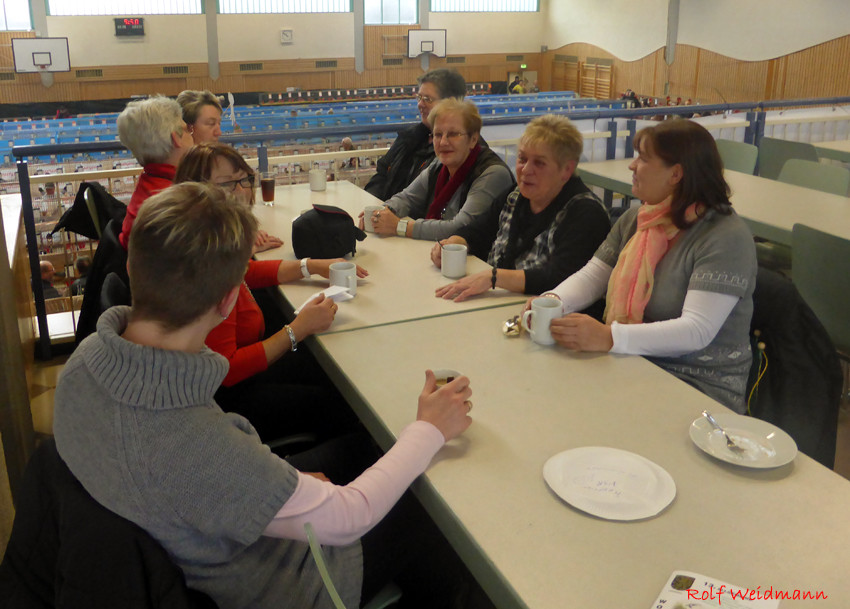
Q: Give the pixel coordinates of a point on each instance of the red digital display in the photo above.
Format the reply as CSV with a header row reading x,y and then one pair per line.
x,y
129,26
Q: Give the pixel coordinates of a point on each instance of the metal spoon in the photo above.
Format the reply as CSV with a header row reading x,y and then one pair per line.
x,y
730,444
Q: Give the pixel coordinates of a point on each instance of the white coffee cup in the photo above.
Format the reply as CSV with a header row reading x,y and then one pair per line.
x,y
344,274
543,310
367,216
318,179
453,260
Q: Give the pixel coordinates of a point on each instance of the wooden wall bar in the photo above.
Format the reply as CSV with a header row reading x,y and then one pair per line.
x,y
704,76
698,74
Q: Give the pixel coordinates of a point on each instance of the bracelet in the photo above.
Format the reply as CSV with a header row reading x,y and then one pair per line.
x,y
493,279
291,334
304,272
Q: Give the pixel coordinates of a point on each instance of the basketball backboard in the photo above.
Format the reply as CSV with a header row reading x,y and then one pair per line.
x,y
426,41
41,55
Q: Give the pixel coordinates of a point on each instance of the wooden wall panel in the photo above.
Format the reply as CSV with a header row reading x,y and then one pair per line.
x,y
705,76
697,74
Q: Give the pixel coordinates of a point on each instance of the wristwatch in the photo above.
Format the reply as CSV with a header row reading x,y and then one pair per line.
x,y
304,272
401,228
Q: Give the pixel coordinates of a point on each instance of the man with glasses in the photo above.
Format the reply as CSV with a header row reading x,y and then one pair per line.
x,y
413,149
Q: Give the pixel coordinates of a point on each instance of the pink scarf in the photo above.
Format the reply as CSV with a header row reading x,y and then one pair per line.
x,y
631,282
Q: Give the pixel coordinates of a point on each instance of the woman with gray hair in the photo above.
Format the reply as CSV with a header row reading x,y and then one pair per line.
x,y
460,183
202,113
154,131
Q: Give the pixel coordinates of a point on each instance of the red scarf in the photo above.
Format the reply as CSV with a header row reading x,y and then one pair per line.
x,y
445,188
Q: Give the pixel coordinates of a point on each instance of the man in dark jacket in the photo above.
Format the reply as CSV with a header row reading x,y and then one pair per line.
x,y
413,150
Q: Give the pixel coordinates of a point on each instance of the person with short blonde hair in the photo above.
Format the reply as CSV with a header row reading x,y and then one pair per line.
x,y
558,133
466,110
154,131
136,423
548,228
202,113
192,239
459,184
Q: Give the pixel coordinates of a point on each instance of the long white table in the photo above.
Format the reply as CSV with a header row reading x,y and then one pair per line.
x,y
770,208
402,279
785,528
838,150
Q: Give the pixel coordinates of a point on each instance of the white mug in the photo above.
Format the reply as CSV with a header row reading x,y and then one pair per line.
x,y
453,260
543,310
367,217
344,274
318,179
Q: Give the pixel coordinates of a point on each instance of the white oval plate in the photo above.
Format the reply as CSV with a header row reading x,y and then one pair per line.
x,y
764,444
610,483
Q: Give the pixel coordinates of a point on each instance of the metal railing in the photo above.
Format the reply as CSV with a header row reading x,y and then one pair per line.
x,y
751,116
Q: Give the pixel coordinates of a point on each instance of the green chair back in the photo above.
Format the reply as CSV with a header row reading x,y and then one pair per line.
x,y
773,153
818,176
821,271
738,156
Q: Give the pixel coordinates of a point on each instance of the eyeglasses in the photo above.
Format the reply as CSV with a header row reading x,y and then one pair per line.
x,y
449,135
246,182
426,99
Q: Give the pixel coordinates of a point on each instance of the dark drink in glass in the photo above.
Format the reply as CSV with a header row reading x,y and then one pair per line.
x,y
267,187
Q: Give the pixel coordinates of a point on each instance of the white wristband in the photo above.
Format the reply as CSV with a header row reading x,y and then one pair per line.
x,y
304,272
401,228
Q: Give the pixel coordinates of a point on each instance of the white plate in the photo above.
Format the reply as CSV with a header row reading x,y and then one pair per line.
x,y
764,445
610,483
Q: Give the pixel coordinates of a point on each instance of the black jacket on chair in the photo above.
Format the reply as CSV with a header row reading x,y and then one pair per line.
x,y
69,552
801,389
110,257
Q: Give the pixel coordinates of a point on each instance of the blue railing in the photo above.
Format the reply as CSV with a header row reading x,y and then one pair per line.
x,y
756,115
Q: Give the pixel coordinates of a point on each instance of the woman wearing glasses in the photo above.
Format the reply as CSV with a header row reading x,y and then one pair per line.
x,y
459,185
412,151
257,371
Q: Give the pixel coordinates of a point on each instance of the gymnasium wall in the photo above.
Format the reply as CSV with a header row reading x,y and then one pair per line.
x,y
727,49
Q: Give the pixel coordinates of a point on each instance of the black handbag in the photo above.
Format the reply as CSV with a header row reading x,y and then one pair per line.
x,y
325,232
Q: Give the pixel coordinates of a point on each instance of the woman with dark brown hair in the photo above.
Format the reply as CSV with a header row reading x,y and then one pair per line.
x,y
224,166
257,369
679,270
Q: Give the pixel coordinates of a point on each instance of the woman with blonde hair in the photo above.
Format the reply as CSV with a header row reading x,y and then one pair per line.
x,y
541,232
202,113
457,186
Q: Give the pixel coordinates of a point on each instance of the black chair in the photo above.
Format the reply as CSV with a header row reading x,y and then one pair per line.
x,y
68,551
800,390
114,292
110,257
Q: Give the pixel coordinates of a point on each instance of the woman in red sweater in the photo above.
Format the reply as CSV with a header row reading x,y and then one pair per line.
x,y
260,378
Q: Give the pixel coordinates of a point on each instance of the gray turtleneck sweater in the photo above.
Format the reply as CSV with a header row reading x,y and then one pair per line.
x,y
140,430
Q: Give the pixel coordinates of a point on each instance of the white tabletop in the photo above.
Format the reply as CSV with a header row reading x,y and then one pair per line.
x,y
402,279
785,528
770,208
